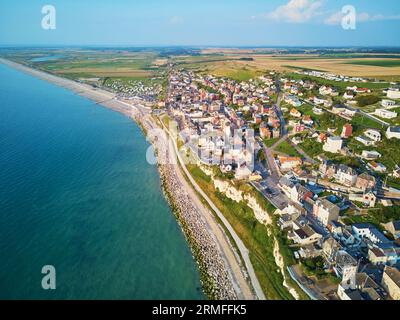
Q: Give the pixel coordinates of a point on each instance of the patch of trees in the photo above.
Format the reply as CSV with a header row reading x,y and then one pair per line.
x,y
367,100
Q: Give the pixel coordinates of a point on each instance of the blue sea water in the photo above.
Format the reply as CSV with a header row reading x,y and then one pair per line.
x,y
77,193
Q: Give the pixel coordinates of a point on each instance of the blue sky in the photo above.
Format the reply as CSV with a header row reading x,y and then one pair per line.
x,y
206,22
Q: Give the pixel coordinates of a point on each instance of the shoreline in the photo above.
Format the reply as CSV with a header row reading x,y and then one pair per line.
x,y
221,279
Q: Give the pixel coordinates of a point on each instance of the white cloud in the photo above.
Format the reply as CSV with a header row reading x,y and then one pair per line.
x,y
296,11
303,11
334,19
175,20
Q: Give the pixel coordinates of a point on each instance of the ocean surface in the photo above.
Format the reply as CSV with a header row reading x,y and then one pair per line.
x,y
77,193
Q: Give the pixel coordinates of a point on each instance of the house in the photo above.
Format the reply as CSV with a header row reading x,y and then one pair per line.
x,y
363,90
394,228
330,249
388,255
364,287
285,221
374,135
319,101
276,133
347,238
347,131
368,198
393,93
265,133
366,231
328,169
388,103
318,111
292,100
295,113
333,145
310,251
336,228
304,235
385,114
393,133
327,90
376,256
289,163
391,282
346,176
365,141
298,128
365,181
294,191
348,95
378,167
308,121
370,155
348,113
326,212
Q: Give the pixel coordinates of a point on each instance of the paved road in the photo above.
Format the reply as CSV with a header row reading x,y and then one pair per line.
x,y
242,248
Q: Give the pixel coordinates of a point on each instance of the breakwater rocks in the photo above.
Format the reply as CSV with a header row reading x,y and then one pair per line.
x,y
216,281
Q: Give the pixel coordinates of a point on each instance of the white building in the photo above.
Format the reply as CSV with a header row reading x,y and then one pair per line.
x,y
370,155
393,132
346,176
365,141
318,111
326,212
388,103
374,135
368,231
333,145
319,101
393,93
386,114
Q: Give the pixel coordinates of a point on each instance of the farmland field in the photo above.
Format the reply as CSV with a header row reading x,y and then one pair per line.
x,y
238,64
95,63
369,66
388,63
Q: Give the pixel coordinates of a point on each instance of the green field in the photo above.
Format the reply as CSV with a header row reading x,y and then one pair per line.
x,y
111,63
286,148
376,63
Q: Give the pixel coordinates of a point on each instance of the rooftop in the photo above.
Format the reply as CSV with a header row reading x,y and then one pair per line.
x,y
393,274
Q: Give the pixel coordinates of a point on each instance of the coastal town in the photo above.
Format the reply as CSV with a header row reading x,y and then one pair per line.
x,y
317,157
201,159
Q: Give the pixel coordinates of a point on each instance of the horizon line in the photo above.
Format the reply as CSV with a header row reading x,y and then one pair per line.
x,y
193,46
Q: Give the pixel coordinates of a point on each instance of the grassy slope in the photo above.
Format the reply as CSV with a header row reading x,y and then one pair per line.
x,y
286,148
257,238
